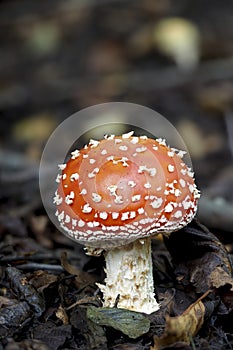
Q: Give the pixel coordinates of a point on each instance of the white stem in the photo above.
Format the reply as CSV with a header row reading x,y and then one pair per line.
x,y
129,277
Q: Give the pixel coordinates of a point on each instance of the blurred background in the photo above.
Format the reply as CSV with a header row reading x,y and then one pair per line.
x,y
176,57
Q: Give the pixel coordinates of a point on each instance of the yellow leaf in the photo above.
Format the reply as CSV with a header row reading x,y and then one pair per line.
x,y
183,327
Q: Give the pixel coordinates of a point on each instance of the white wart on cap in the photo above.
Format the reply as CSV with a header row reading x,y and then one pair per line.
x,y
122,188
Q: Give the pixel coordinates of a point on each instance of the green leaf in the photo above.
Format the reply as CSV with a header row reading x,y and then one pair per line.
x,y
131,323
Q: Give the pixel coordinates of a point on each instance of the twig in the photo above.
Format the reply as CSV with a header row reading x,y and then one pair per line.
x,y
40,266
87,300
32,257
197,301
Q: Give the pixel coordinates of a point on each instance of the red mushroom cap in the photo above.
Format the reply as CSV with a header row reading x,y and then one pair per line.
x,y
124,188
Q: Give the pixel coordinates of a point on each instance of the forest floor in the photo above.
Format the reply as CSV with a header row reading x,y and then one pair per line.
x,y
57,58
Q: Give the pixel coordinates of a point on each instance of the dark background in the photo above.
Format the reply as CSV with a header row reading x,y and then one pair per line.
x,y
58,57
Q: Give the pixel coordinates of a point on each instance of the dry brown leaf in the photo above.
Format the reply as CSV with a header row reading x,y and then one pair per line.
x,y
82,277
219,278
42,280
204,253
183,327
62,315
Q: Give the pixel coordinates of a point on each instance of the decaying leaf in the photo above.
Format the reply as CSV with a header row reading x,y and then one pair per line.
x,y
183,327
42,279
220,278
223,282
52,335
200,263
82,277
25,290
15,315
131,323
94,334
62,315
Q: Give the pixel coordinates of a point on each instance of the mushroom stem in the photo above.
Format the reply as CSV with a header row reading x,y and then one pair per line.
x,y
129,278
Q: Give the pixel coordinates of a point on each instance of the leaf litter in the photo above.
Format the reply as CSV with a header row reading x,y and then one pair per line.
x,y
63,309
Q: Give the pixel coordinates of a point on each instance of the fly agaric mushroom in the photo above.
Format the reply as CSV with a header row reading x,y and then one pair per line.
x,y
117,193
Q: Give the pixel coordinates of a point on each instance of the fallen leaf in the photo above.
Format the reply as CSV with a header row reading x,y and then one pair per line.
x,y
199,262
62,315
13,317
220,278
82,277
131,323
52,335
183,327
25,290
93,333
223,282
42,280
